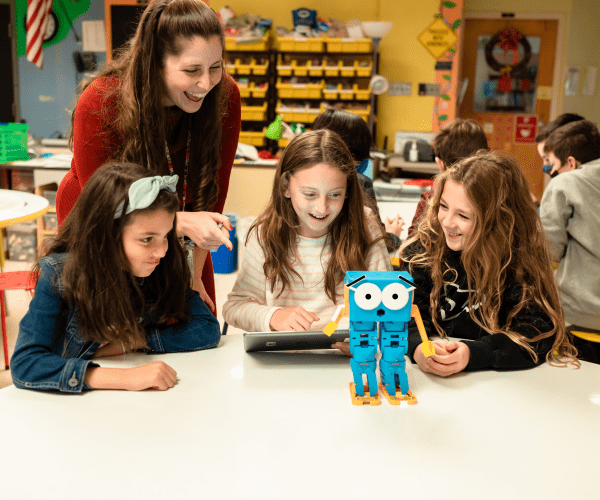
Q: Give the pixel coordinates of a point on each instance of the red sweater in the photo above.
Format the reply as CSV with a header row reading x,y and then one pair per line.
x,y
92,137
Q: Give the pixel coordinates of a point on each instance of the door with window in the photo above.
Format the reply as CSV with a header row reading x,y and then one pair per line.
x,y
509,65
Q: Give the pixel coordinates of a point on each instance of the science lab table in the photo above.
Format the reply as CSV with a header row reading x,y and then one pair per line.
x,y
281,426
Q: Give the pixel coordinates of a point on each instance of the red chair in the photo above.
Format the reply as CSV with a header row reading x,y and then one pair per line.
x,y
15,280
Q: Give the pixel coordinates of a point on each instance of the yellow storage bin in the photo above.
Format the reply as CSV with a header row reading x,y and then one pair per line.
x,y
348,44
283,142
363,70
311,115
253,138
346,94
331,93
259,69
347,70
331,70
254,113
259,92
316,70
230,68
361,94
243,69
245,89
232,43
299,68
300,90
283,68
290,44
298,115
285,111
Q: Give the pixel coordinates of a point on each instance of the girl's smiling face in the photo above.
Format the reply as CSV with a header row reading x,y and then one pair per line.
x,y
456,215
193,73
317,194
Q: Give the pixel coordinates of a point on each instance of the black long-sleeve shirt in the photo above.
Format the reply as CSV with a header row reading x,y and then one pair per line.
x,y
495,351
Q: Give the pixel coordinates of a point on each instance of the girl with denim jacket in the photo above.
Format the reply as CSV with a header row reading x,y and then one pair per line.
x,y
114,280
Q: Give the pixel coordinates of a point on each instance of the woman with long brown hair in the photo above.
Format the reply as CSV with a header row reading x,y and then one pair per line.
x,y
165,103
314,229
114,280
482,272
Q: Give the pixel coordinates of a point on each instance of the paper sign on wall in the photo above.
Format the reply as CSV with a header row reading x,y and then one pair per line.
x,y
525,129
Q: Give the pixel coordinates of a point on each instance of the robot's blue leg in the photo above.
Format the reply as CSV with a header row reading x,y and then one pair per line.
x,y
372,380
358,370
357,374
401,378
388,378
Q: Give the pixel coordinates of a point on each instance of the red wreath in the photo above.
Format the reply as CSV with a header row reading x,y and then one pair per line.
x,y
509,40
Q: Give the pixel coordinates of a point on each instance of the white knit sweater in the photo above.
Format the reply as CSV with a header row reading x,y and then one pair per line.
x,y
251,303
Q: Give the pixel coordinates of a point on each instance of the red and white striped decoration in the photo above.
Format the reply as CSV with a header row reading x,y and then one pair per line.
x,y
38,12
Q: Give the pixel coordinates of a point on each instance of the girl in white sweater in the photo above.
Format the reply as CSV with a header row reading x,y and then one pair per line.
x,y
314,229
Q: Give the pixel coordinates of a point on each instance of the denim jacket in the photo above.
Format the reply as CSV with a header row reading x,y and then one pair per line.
x,y
52,355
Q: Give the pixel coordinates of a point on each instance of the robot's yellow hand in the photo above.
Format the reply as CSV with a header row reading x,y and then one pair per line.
x,y
332,325
426,344
330,328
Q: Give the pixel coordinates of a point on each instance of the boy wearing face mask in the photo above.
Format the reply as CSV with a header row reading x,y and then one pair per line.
x,y
570,213
545,132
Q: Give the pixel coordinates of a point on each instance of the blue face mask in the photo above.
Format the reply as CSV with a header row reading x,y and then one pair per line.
x,y
363,165
547,168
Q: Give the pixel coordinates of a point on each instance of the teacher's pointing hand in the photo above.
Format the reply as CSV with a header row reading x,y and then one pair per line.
x,y
208,230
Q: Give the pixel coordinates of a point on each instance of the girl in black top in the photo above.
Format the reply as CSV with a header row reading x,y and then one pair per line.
x,y
482,272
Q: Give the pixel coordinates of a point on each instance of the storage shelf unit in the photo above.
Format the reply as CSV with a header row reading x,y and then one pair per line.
x,y
325,70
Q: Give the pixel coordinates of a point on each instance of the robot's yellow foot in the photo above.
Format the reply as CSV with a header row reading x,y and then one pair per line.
x,y
409,397
366,399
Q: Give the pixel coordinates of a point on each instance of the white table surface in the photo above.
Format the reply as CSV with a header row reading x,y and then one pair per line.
x,y
281,426
32,206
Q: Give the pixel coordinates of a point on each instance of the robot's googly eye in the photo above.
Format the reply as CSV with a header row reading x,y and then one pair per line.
x,y
367,296
394,296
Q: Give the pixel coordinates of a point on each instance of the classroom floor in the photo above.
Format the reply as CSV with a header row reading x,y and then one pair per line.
x,y
17,303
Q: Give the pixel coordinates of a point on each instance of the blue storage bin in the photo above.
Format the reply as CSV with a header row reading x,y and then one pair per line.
x,y
224,261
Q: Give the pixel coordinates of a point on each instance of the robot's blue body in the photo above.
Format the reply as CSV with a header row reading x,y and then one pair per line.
x,y
384,299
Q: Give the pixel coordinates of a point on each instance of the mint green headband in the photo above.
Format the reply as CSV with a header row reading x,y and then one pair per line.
x,y
143,192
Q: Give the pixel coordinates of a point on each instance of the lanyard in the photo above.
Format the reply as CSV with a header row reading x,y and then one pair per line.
x,y
187,162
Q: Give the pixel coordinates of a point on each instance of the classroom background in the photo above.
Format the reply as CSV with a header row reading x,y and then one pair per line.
x,y
432,71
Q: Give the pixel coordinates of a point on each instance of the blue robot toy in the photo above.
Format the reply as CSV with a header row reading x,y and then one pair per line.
x,y
379,306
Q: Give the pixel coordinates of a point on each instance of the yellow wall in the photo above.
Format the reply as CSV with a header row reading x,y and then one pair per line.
x,y
583,44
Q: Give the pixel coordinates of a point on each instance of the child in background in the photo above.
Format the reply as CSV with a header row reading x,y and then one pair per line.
x,y
570,212
315,228
545,132
114,280
355,132
482,272
457,140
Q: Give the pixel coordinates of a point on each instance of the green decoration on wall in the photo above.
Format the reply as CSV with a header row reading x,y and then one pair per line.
x,y
447,86
66,11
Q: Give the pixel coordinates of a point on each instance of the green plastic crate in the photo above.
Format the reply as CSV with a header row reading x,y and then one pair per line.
x,y
13,142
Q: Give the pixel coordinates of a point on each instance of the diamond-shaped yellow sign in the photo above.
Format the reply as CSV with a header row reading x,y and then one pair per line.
x,y
437,38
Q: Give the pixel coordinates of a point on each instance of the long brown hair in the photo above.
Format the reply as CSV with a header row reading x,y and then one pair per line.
x,y
163,29
97,275
507,245
348,236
